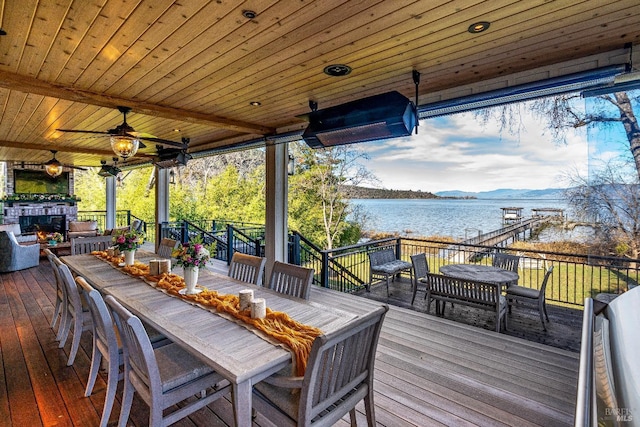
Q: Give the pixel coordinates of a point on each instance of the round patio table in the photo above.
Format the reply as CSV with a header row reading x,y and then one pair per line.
x,y
481,273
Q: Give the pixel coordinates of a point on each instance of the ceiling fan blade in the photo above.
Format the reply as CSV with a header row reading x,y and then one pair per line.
x,y
165,142
83,131
75,167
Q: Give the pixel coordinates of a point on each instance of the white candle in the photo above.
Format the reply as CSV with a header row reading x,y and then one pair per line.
x,y
164,266
258,308
246,295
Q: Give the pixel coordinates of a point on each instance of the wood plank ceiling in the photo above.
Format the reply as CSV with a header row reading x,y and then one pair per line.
x,y
193,68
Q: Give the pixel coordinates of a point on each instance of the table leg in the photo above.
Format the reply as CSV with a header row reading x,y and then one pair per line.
x,y
242,403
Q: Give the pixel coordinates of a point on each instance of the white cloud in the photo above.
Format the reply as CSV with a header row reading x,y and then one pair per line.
x,y
458,153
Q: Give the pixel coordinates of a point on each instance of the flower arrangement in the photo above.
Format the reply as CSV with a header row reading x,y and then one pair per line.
x,y
129,240
56,236
192,254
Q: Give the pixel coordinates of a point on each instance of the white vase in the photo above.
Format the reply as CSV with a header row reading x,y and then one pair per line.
x,y
129,257
191,279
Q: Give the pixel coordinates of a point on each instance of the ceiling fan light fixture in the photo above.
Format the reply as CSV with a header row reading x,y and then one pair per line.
x,y
53,169
124,146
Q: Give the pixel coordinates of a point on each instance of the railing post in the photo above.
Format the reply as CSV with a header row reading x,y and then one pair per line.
x,y
185,231
296,248
324,274
256,244
398,248
128,218
229,243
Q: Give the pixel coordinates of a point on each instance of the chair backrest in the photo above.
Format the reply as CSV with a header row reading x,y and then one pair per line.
x,y
104,334
291,279
136,225
420,265
543,286
86,245
506,261
138,351
166,247
247,268
52,257
340,363
382,256
70,290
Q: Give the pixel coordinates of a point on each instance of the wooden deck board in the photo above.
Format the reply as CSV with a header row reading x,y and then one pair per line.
x,y
430,371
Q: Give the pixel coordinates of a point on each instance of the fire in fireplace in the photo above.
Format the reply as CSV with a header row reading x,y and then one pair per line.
x,y
46,223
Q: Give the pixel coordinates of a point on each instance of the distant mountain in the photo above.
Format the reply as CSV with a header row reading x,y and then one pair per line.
x,y
507,193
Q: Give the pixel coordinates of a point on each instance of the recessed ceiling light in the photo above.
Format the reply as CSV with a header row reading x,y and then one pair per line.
x,y
337,70
176,130
249,14
478,27
255,103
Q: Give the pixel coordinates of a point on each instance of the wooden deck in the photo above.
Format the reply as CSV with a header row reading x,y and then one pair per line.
x,y
429,371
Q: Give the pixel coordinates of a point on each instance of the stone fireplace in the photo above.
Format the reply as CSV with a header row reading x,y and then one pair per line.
x,y
40,212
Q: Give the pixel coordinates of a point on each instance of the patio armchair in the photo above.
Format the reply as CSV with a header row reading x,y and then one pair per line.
x,y
291,279
247,268
17,232
14,256
383,263
531,297
339,375
82,229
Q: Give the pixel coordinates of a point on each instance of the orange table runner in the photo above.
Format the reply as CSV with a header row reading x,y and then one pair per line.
x,y
296,336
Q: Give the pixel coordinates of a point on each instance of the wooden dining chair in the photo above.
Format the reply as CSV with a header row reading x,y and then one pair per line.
x,y
247,268
506,261
338,376
60,304
291,279
77,315
164,376
105,347
420,271
531,297
86,245
166,247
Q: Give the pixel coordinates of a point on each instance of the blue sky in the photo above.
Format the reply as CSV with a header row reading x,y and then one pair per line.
x,y
458,153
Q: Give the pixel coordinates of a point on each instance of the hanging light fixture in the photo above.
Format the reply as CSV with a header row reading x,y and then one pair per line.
x,y
124,146
123,142
53,167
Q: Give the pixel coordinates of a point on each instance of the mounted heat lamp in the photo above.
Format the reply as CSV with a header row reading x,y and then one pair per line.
x,y
389,115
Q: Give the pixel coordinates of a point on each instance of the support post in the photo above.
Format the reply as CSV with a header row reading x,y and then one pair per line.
x,y
162,202
110,197
276,240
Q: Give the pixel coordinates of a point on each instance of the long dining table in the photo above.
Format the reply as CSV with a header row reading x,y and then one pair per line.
x,y
234,350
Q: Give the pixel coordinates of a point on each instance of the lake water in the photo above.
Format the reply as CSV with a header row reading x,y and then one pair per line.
x,y
451,217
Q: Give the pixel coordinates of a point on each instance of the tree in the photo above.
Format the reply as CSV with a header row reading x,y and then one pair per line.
x,y
611,193
611,198
318,202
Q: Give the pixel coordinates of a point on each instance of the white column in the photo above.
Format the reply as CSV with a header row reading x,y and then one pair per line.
x,y
276,204
110,190
162,200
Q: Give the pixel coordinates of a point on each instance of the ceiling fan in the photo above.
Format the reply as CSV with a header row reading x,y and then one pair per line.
x,y
53,167
107,171
125,141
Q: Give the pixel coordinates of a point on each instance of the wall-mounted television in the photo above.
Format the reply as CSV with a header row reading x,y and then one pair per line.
x,y
26,181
